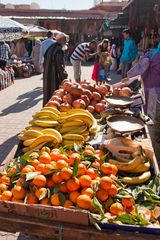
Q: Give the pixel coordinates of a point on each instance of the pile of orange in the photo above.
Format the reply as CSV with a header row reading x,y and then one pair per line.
x,y
65,179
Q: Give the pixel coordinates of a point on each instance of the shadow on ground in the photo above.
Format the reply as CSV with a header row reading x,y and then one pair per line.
x,y
25,101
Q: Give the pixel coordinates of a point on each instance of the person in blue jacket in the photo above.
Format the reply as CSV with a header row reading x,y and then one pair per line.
x,y
129,53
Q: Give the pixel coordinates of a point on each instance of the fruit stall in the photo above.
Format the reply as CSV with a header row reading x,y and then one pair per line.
x,y
84,168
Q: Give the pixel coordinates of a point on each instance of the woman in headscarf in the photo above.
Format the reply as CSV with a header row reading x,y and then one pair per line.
x,y
35,55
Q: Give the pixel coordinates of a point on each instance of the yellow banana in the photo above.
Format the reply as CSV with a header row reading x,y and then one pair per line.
x,y
33,133
139,179
44,123
23,137
28,142
78,130
86,133
28,126
73,123
34,127
28,151
73,137
52,109
42,139
127,166
67,129
143,167
46,113
63,114
25,149
70,142
80,116
54,133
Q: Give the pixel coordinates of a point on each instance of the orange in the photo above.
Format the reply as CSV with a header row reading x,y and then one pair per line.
x,y
45,158
47,169
56,178
88,152
6,180
62,157
55,200
3,187
87,191
54,155
17,200
41,193
88,147
66,173
90,172
22,182
85,181
73,196
73,157
116,209
40,167
63,187
27,169
102,195
18,192
81,169
35,163
31,199
68,204
106,168
84,201
95,182
99,152
73,184
127,202
61,164
112,191
45,201
114,169
7,195
105,183
50,183
45,149
54,164
96,164
11,171
39,181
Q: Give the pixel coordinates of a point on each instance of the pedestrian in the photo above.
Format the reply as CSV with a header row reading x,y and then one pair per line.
x,y
54,67
114,57
20,49
35,55
129,53
4,54
45,45
81,52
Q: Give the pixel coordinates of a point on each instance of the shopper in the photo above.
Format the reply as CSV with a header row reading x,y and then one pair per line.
x,y
4,54
81,52
35,55
45,45
54,69
114,57
129,53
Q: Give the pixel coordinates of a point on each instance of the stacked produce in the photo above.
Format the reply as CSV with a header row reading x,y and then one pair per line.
x,y
50,125
79,178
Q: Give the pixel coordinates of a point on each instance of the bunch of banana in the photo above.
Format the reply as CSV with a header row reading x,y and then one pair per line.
x,y
139,166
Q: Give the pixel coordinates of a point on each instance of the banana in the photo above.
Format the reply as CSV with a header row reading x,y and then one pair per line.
x,y
54,133
139,179
143,167
46,113
28,126
67,129
70,142
22,137
127,166
73,137
86,133
33,133
73,123
42,139
80,116
79,130
28,142
44,123
28,151
34,127
52,109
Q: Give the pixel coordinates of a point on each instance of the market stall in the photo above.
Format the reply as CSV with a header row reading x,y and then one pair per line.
x,y
85,160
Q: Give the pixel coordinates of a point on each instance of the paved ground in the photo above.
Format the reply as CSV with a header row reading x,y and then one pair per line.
x,y
18,103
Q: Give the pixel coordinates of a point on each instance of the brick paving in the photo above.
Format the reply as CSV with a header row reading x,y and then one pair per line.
x,y
18,103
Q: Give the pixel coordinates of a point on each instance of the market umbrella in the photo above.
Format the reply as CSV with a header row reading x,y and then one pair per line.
x,y
36,31
10,29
